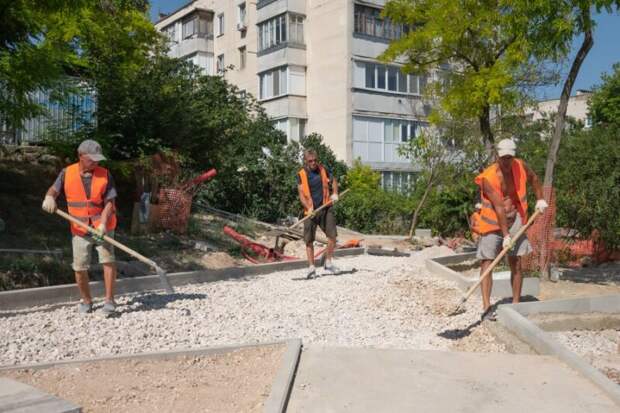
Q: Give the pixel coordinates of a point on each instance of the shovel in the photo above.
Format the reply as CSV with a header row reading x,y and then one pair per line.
x,y
160,271
316,211
497,259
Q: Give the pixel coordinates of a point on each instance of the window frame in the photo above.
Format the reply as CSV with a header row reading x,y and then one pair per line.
x,y
221,24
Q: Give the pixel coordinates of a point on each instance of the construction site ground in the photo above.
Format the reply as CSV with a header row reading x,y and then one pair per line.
x,y
237,381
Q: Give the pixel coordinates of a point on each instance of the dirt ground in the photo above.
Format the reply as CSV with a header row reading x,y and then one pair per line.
x,y
239,381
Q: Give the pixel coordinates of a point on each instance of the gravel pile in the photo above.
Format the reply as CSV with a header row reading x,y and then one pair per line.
x,y
378,301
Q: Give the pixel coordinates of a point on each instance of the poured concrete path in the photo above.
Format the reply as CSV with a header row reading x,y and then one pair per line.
x,y
376,380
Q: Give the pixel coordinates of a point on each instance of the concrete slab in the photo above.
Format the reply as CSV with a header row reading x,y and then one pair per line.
x,y
378,380
501,280
16,397
283,382
514,318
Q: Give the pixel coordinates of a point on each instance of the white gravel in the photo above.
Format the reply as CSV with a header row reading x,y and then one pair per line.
x,y
589,343
386,302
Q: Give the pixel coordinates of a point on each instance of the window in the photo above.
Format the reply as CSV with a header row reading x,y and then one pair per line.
x,y
279,30
273,83
378,139
241,15
297,29
242,57
219,65
397,181
170,32
220,24
197,25
368,21
387,78
203,61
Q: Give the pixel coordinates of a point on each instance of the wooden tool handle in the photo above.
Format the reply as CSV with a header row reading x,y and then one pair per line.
x,y
313,214
501,255
109,240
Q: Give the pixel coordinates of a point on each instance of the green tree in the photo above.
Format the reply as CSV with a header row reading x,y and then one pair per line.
x,y
43,42
604,107
325,154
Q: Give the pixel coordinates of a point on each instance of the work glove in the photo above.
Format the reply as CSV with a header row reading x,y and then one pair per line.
x,y
100,232
334,197
49,204
541,205
506,242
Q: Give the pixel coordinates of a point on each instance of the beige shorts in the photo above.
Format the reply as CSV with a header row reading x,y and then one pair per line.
x,y
82,251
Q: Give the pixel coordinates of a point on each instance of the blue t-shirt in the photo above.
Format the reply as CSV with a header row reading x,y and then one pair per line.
x,y
316,185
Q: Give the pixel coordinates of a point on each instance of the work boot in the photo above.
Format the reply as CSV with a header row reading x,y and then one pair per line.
x,y
311,273
84,308
331,268
109,307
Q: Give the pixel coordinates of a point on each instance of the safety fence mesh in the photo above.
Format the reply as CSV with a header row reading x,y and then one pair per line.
x,y
175,206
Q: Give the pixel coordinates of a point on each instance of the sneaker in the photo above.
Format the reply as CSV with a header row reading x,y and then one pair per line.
x,y
311,273
85,308
489,315
109,307
331,269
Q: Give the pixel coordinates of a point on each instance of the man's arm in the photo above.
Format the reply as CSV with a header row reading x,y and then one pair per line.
x,y
49,203
498,206
307,203
334,186
108,209
532,178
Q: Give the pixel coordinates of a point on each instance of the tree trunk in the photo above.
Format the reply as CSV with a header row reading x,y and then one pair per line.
x,y
560,118
487,132
554,146
418,208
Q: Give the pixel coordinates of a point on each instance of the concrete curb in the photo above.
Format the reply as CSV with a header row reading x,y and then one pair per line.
x,y
283,383
501,286
19,397
510,316
155,355
66,293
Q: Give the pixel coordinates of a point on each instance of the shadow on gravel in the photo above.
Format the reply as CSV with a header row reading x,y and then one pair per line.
x,y
459,333
344,272
149,302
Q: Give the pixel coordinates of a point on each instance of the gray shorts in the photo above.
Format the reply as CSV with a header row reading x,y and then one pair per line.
x,y
83,248
490,245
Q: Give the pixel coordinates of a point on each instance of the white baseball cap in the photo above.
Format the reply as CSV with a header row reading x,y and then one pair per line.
x,y
92,149
506,147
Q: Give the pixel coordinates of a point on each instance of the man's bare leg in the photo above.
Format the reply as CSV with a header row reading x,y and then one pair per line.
x,y
81,279
516,278
310,253
109,279
486,286
331,246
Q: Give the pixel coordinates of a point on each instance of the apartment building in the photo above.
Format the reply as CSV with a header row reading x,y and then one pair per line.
x,y
313,66
577,108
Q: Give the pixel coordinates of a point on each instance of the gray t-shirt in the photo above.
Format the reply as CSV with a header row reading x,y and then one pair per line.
x,y
110,190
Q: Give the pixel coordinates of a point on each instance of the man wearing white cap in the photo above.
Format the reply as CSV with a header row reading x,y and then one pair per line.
x,y
90,193
503,189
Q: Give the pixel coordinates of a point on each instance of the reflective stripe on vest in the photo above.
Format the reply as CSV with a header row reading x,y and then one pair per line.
x,y
87,210
305,185
489,220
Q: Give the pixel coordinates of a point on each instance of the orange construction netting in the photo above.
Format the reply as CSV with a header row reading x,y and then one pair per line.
x,y
174,209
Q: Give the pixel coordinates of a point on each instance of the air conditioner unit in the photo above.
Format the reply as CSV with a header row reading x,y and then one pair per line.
x,y
241,26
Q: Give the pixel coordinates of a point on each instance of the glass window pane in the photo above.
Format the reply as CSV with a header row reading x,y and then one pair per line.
x,y
283,20
391,77
380,77
403,132
423,80
276,83
389,131
283,82
370,75
402,82
413,85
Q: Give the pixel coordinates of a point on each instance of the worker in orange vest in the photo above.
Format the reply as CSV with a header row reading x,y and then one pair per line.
x,y
503,188
313,182
474,222
90,193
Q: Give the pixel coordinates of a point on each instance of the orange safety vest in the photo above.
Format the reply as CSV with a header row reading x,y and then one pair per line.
x,y
87,210
305,185
488,217
474,222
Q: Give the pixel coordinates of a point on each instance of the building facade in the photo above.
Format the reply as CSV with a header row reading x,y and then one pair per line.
x,y
577,108
313,66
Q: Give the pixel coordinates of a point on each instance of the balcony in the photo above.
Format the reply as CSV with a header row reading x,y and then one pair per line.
x,y
266,9
192,45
